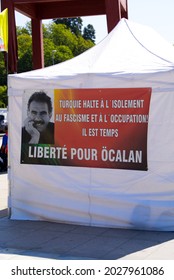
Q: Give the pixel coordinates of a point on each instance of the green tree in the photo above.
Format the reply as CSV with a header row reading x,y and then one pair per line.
x,y
89,33
3,97
54,54
21,30
74,24
24,52
3,69
82,45
62,36
62,53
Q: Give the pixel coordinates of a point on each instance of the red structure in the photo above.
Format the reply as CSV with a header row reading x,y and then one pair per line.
x,y
38,10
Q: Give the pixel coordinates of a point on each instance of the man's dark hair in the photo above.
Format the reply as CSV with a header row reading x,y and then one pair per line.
x,y
41,96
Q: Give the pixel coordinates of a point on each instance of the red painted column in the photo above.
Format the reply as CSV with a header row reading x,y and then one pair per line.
x,y
37,44
113,13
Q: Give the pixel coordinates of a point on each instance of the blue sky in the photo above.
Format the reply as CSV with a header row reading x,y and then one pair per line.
x,y
158,14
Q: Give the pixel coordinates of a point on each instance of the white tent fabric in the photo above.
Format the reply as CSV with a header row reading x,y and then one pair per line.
x,y
131,56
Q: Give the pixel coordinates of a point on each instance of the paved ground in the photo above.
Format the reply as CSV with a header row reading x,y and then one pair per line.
x,y
30,239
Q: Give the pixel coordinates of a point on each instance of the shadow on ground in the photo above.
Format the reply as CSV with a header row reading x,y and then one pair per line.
x,y
68,241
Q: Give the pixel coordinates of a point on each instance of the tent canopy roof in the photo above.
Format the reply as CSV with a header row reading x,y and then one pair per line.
x,y
128,48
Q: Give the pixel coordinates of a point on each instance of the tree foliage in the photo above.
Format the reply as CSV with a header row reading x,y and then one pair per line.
x,y
3,81
24,52
54,54
89,33
3,96
3,69
73,24
60,35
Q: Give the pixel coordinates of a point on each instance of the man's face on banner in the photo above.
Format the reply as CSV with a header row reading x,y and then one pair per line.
x,y
38,113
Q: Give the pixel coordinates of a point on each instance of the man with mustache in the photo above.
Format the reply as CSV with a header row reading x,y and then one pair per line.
x,y
37,127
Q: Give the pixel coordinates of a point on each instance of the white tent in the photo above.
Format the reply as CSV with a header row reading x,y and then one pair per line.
x,y
131,56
